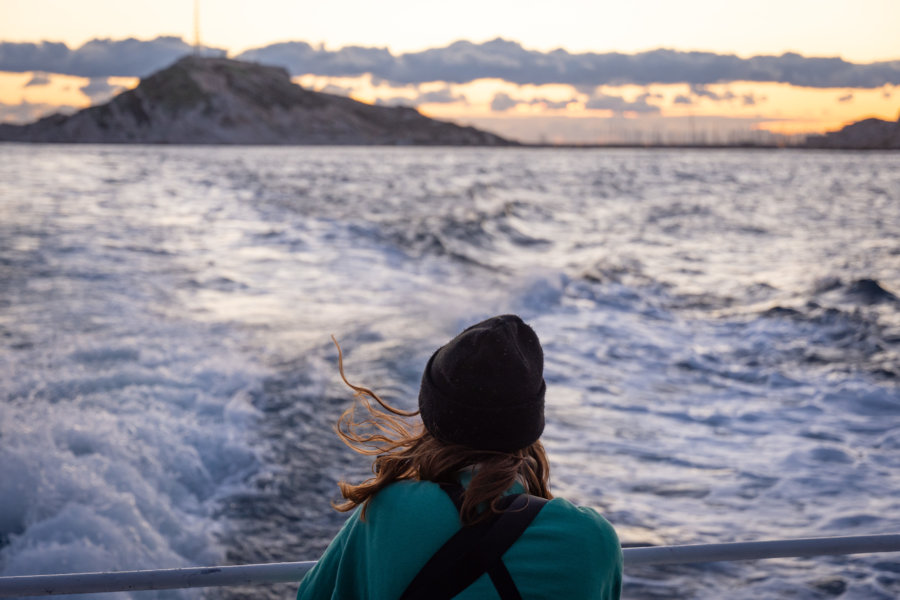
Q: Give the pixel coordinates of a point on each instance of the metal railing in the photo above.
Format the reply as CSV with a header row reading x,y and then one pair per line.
x,y
130,581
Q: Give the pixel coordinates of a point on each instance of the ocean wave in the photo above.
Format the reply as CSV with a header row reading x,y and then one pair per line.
x,y
720,345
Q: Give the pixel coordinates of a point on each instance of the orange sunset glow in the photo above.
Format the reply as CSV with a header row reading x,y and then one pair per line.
x,y
802,81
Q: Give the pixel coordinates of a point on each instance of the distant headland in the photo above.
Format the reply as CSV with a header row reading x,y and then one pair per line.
x,y
203,100
868,134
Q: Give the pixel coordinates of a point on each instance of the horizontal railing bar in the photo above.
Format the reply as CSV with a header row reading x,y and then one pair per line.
x,y
164,579
698,553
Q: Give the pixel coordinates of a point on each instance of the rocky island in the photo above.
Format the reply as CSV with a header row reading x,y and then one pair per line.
x,y
202,100
868,134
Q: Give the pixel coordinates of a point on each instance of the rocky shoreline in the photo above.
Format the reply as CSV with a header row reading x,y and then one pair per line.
x,y
203,100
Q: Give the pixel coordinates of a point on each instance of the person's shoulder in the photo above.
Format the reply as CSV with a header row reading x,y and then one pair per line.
x,y
569,551
580,522
584,515
411,500
411,514
409,491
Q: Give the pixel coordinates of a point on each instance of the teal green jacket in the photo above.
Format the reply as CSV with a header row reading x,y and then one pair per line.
x,y
567,552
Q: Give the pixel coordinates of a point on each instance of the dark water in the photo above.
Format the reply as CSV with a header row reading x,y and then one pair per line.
x,y
721,330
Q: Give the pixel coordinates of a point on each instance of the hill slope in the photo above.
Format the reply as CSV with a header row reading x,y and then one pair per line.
x,y
868,134
201,100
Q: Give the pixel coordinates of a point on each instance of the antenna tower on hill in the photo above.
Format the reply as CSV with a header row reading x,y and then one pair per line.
x,y
196,26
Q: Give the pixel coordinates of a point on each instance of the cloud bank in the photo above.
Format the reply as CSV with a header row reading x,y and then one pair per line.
x,y
440,96
463,62
98,90
96,58
38,79
27,112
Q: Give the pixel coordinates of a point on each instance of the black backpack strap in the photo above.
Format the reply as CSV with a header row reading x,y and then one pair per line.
x,y
474,550
503,582
455,491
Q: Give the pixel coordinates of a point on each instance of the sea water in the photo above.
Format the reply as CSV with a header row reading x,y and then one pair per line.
x,y
721,331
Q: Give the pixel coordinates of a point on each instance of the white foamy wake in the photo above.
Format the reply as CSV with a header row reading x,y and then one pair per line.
x,y
113,459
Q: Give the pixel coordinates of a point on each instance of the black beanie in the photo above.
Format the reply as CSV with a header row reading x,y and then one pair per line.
x,y
485,388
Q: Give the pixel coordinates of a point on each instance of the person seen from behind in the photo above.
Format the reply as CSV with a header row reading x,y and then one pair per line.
x,y
460,505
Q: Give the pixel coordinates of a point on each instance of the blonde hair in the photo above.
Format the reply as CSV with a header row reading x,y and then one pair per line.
x,y
406,451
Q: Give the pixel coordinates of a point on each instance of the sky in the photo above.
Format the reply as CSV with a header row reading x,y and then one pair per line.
x,y
567,71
